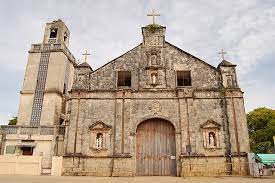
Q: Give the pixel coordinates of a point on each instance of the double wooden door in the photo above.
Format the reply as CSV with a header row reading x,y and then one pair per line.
x,y
156,148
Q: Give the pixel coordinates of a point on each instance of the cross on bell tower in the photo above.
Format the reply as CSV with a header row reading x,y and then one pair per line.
x,y
85,55
222,53
153,15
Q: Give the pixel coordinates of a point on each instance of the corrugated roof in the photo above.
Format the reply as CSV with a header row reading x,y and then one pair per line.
x,y
267,159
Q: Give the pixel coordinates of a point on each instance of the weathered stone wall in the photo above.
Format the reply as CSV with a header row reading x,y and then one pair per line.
x,y
201,110
136,107
237,122
171,59
105,77
97,166
213,166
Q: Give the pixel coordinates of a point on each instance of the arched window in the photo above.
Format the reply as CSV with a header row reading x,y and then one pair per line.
x,y
212,139
53,33
99,140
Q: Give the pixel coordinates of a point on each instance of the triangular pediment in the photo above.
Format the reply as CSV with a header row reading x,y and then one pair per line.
x,y
167,43
192,56
210,124
99,125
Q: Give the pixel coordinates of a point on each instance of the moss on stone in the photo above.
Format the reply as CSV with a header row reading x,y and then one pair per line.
x,y
153,27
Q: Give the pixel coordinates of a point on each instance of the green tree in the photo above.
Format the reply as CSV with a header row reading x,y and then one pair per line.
x,y
13,121
261,128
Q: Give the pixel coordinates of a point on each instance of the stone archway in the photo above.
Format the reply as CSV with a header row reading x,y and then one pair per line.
x,y
155,148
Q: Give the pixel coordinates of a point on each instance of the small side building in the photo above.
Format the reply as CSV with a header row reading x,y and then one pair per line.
x,y
43,99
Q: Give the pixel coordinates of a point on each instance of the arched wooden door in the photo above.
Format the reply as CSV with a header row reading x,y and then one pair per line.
x,y
156,148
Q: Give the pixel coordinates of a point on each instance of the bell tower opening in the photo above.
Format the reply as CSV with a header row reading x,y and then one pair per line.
x,y
53,33
56,32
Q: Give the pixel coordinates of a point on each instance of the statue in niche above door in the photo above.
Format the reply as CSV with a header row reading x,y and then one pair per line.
x,y
153,59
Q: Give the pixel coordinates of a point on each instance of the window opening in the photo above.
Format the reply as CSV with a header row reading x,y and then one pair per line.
x,y
124,78
183,78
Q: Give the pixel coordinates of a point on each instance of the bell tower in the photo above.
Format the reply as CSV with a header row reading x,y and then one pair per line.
x,y
228,73
56,32
48,78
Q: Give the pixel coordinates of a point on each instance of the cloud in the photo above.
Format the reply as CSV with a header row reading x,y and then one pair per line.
x,y
250,34
107,29
4,118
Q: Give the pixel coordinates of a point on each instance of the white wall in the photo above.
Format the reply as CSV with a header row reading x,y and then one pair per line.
x,y
27,165
57,165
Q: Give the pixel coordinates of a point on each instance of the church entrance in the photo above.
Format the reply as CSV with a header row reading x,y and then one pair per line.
x,y
156,148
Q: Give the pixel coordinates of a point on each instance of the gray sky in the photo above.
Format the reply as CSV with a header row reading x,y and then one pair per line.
x,y
108,28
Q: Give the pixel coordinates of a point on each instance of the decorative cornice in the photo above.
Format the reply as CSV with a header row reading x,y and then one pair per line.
x,y
210,122
102,126
56,47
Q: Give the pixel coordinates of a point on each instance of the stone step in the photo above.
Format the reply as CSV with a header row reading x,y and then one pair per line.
x,y
46,171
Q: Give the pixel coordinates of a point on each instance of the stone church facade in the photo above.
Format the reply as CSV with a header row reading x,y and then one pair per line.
x,y
155,110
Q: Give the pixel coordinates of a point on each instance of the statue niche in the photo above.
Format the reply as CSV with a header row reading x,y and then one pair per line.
x,y
211,134
153,67
100,136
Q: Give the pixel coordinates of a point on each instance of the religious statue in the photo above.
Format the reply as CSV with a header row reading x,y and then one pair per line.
x,y
154,78
153,59
212,142
99,140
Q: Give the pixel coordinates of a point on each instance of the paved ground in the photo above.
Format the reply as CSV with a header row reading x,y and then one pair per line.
x,y
50,179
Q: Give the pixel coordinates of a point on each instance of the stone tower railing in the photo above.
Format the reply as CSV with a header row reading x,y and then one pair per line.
x,y
35,48
32,130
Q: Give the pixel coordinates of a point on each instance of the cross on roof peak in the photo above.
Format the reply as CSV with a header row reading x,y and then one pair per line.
x,y
86,54
153,15
222,53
